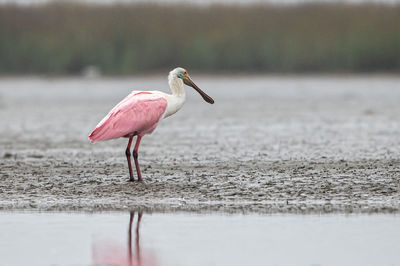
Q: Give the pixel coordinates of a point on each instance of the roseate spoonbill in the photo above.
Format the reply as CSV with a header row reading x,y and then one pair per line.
x,y
139,113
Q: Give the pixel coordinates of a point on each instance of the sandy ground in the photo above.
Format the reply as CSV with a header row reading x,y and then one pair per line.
x,y
269,144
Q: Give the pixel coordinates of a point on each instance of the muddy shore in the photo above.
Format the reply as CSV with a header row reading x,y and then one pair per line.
x,y
268,145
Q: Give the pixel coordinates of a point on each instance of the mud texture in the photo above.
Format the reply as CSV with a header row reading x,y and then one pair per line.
x,y
269,144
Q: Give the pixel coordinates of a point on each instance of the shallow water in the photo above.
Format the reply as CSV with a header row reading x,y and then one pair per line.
x,y
197,239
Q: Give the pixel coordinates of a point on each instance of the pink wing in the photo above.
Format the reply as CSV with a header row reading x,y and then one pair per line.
x,y
138,113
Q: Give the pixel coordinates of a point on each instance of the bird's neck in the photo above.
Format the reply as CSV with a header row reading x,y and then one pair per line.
x,y
176,85
177,99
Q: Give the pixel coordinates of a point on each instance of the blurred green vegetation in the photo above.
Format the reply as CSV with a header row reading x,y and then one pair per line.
x,y
123,39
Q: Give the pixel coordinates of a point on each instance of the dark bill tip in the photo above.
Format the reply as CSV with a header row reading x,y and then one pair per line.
x,y
190,83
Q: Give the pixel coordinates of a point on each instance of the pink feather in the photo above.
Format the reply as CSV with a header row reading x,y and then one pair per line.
x,y
138,113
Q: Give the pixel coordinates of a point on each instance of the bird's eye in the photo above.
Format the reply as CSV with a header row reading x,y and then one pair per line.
x,y
185,72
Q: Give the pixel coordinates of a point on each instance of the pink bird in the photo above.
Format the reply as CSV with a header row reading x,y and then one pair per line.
x,y
141,111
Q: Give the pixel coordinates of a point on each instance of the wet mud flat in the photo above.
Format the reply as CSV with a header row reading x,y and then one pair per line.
x,y
269,144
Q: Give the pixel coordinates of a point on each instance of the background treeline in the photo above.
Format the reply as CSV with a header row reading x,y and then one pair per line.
x,y
124,39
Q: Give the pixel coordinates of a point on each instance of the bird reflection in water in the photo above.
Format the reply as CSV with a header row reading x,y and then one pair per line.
x,y
109,253
137,239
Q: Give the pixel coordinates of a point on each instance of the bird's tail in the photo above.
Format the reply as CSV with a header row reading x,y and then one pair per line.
x,y
99,133
94,136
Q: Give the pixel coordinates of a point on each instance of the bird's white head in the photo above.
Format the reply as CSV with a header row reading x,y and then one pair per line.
x,y
182,74
178,72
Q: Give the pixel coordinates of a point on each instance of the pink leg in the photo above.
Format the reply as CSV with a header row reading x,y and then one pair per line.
x,y
135,156
128,157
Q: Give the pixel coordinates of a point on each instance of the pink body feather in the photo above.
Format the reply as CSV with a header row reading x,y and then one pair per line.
x,y
139,114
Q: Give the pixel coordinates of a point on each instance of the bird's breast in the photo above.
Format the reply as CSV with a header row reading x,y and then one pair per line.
x,y
174,103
